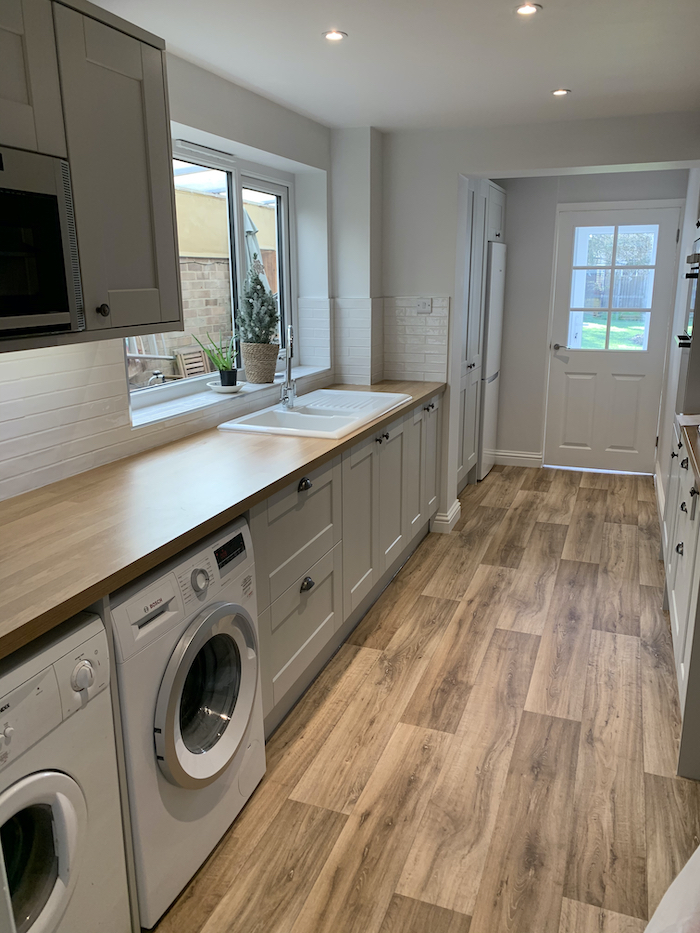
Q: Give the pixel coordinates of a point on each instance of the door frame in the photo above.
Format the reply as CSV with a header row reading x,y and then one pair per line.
x,y
567,207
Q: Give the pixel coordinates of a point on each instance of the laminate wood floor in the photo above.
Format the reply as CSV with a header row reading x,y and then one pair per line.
x,y
492,751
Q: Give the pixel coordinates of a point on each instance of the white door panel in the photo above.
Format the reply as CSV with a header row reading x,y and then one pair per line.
x,y
613,297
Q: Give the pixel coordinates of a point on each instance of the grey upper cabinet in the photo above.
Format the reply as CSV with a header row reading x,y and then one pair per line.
x,y
30,95
495,225
118,140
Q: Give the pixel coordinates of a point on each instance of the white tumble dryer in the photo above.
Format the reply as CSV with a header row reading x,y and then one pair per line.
x,y
62,865
186,639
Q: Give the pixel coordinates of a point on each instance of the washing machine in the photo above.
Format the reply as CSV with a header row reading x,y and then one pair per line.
x,y
62,865
187,663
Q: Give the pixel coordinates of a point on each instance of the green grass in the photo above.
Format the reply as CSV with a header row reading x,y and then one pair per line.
x,y
628,336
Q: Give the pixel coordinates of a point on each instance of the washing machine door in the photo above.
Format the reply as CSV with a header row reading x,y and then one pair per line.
x,y
207,696
43,821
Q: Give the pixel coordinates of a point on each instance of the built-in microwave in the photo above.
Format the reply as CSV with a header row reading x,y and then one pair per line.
x,y
40,290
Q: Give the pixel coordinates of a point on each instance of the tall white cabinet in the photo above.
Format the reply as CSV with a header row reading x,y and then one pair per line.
x,y
486,219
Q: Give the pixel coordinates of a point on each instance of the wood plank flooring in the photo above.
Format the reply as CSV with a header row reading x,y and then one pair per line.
x,y
493,750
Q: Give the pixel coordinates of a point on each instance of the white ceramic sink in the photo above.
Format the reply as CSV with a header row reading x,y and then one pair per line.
x,y
324,413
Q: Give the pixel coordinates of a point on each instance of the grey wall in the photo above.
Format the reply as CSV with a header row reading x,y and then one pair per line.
x,y
530,229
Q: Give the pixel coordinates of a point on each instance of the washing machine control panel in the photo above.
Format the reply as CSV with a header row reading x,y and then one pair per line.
x,y
197,580
27,714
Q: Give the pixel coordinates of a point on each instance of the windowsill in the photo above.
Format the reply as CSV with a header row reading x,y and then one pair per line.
x,y
147,412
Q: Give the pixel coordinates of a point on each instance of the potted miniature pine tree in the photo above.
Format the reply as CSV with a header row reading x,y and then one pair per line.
x,y
257,326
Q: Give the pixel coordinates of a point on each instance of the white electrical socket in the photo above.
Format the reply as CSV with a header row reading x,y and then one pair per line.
x,y
424,306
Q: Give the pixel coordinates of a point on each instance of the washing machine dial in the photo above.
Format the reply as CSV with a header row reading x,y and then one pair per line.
x,y
83,676
7,733
200,580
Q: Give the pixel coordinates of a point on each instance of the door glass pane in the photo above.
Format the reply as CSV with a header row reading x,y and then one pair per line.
x,y
593,246
629,330
636,245
261,216
587,330
590,288
633,288
31,862
209,694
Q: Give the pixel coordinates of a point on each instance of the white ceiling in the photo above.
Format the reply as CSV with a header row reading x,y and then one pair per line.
x,y
415,63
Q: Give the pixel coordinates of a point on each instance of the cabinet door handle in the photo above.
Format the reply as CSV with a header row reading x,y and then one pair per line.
x,y
382,437
498,234
679,549
680,444
429,407
307,584
684,463
304,484
684,507
693,492
103,309
673,454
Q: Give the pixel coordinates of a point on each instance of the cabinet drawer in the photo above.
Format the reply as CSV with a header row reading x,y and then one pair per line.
x,y
303,620
294,528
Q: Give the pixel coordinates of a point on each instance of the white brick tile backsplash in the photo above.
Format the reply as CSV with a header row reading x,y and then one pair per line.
x,y
406,333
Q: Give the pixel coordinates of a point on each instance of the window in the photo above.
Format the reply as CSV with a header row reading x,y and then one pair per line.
x,y
612,284
224,220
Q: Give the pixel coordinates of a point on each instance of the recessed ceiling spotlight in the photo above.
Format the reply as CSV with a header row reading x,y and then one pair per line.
x,y
561,91
335,35
528,9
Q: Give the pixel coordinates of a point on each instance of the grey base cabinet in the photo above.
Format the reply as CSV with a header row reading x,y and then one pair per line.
x,y
324,543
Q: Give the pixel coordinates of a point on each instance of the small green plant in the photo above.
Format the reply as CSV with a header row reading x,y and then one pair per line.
x,y
222,356
256,321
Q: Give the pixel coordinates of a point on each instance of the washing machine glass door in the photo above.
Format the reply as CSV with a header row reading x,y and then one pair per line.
x,y
43,820
206,697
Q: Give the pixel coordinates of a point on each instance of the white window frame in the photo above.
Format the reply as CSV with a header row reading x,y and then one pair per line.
x,y
267,179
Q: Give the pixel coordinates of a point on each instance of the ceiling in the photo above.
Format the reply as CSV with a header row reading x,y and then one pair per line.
x,y
414,63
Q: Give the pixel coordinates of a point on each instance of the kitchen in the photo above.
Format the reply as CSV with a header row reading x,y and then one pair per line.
x,y
376,219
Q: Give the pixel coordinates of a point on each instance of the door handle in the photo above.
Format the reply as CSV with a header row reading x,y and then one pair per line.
x,y
559,346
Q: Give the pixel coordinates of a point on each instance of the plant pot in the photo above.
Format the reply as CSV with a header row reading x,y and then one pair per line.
x,y
259,361
228,377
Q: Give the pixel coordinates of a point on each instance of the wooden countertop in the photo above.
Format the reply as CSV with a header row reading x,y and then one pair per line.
x,y
64,546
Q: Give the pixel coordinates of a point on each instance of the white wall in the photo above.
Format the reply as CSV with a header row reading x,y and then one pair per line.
x,y
422,167
207,102
530,221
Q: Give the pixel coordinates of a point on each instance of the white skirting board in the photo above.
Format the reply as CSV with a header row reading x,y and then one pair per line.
x,y
518,458
444,522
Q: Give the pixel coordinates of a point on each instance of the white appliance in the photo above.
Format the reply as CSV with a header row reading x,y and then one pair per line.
x,y
186,644
491,367
62,866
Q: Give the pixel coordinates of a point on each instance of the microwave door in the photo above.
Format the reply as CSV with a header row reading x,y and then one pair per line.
x,y
33,287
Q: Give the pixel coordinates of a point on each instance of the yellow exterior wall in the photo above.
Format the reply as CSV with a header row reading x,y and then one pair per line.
x,y
202,224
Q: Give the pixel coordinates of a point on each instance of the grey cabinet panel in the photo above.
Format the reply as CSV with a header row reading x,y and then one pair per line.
x,y
392,494
118,147
30,97
414,493
360,523
431,457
